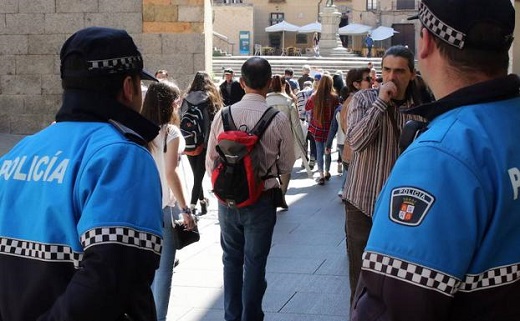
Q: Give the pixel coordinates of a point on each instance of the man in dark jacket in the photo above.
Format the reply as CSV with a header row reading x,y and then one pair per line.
x,y
230,89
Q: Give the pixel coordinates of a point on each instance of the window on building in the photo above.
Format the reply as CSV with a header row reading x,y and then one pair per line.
x,y
371,4
301,38
275,40
232,1
276,1
405,5
276,17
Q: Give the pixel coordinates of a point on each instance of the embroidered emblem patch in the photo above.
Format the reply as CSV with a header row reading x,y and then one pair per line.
x,y
409,205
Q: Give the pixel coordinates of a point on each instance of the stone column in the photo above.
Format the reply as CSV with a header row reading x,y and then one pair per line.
x,y
330,44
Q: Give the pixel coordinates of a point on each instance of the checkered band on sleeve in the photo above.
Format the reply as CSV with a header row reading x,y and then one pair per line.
x,y
39,251
410,273
122,235
491,278
448,34
116,65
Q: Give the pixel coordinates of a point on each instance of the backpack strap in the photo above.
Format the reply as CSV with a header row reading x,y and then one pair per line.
x,y
259,130
264,122
227,119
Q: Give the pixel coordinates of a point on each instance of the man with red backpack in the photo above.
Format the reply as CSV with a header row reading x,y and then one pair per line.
x,y
247,230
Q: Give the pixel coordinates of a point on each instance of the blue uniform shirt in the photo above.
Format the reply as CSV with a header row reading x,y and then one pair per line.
x,y
445,241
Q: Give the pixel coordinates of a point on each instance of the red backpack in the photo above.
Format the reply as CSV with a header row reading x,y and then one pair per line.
x,y
235,177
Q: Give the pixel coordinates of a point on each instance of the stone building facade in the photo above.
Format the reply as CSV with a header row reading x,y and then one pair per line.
x,y
169,33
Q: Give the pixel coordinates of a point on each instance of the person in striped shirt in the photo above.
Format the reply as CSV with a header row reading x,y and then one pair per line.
x,y
374,124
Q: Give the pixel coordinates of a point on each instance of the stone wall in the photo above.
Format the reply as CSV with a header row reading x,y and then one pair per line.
x,y
169,33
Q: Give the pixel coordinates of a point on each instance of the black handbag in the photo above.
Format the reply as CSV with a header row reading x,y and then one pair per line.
x,y
183,237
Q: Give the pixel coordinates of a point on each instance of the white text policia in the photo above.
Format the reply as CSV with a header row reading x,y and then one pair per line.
x,y
41,168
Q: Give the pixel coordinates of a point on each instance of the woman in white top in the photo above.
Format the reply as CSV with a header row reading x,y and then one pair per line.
x,y
281,101
161,105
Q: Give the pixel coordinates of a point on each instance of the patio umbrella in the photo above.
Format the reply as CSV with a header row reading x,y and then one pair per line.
x,y
282,27
382,33
354,29
310,28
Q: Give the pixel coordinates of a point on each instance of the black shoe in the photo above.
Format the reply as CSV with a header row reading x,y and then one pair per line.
x,y
204,206
311,163
284,205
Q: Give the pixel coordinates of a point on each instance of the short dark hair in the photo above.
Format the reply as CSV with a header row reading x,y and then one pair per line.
x,y
289,71
256,72
475,60
400,51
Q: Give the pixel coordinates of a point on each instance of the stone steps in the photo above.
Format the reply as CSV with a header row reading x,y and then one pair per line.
x,y
280,63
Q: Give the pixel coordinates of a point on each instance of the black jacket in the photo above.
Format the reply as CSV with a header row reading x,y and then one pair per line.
x,y
236,93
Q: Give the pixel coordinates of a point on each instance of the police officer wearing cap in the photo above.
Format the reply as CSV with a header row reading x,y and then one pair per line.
x,y
80,201
445,241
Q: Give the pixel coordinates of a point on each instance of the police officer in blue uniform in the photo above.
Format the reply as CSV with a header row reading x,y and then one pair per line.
x,y
80,201
445,241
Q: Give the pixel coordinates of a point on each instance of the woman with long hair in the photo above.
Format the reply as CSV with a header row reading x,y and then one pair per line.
x,y
160,106
204,94
279,99
322,105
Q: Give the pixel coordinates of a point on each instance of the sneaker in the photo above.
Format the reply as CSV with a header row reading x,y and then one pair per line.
x,y
204,206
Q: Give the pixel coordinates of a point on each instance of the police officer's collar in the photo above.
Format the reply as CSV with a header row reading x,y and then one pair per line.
x,y
88,106
492,90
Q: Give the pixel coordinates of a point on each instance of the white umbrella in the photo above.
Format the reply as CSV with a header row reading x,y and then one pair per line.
x,y
354,29
283,27
382,33
310,28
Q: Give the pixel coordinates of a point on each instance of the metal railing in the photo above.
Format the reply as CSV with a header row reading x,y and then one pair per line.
x,y
222,43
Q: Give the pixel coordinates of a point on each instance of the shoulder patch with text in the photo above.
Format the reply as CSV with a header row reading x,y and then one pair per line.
x,y
409,205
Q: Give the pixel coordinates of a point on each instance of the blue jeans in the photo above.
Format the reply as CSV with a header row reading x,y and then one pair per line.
x,y
245,237
320,154
162,282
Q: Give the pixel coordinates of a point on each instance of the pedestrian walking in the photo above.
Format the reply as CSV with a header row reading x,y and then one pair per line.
x,y
246,233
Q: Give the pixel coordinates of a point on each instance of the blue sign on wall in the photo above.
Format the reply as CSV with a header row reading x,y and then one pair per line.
x,y
244,43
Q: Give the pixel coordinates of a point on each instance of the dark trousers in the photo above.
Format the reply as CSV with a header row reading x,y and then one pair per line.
x,y
357,225
197,164
311,146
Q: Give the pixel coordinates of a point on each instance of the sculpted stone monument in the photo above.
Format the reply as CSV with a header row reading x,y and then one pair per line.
x,y
330,44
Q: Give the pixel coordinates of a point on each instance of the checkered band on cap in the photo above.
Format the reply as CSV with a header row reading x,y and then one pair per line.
x,y
116,65
445,32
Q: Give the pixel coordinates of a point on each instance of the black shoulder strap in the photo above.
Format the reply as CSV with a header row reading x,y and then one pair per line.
x,y
227,119
264,122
